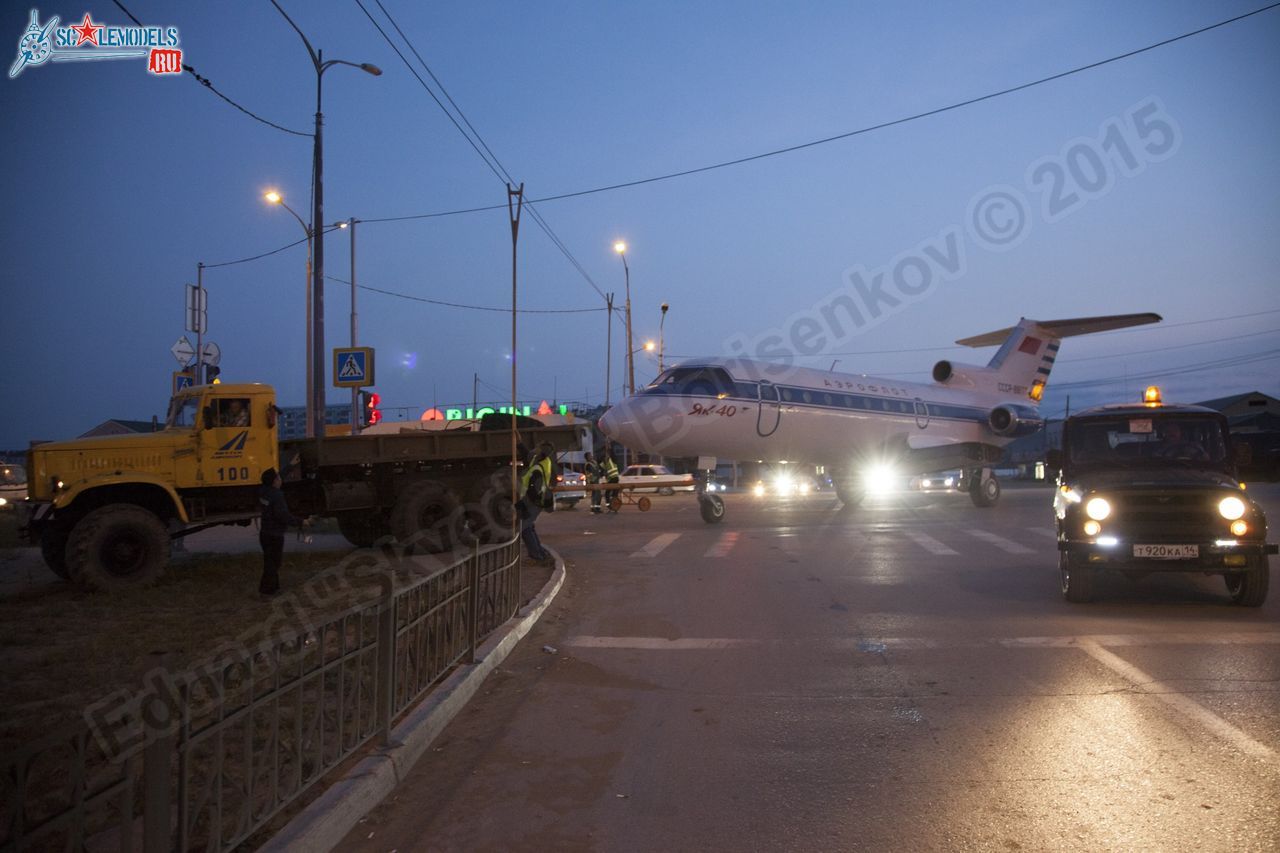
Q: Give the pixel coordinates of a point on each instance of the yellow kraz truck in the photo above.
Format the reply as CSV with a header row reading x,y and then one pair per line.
x,y
104,510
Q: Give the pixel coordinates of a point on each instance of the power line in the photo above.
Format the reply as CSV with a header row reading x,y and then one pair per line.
x,y
267,254
860,131
490,159
208,84
462,305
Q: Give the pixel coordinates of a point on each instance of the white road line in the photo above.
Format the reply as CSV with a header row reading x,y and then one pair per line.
x,y
1000,542
1045,531
656,545
927,542
657,643
1249,638
723,545
1143,683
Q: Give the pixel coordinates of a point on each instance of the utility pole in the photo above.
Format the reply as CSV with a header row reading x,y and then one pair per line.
x,y
197,377
475,392
355,392
608,348
515,204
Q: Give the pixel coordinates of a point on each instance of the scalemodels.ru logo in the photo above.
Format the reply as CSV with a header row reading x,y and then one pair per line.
x,y
87,40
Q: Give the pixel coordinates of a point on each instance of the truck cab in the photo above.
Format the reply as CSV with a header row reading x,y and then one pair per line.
x,y
1153,487
101,508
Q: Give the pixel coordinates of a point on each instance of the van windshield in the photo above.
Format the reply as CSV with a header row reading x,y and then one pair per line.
x,y
1147,441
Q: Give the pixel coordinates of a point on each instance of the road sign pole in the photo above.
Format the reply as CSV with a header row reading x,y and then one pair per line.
x,y
198,317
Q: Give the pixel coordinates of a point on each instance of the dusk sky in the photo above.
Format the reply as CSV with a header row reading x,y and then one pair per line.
x,y
1147,184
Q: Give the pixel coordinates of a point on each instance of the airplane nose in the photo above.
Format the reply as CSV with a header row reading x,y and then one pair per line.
x,y
611,421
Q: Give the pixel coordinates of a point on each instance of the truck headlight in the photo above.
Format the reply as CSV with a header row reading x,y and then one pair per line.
x,y
1097,508
1231,508
1239,528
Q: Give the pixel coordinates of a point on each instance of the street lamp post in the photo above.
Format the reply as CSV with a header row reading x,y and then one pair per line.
x,y
275,198
621,248
315,402
350,225
662,344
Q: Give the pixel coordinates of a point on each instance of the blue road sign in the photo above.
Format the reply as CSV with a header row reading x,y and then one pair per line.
x,y
181,379
353,367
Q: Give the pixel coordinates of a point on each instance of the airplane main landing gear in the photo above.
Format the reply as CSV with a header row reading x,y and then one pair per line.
x,y
984,488
712,508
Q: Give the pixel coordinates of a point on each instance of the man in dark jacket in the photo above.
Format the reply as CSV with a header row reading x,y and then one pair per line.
x,y
276,519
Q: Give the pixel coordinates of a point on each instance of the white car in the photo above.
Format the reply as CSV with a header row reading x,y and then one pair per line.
x,y
655,478
13,485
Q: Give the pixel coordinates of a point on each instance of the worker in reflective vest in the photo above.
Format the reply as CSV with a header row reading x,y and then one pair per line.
x,y
610,469
536,495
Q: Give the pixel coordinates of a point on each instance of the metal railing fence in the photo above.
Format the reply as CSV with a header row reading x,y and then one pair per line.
x,y
204,759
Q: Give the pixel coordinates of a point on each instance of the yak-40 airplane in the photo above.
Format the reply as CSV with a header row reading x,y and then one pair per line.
x,y
854,425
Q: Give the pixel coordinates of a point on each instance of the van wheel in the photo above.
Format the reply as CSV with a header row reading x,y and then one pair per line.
x,y
1077,579
1249,588
712,508
118,547
427,516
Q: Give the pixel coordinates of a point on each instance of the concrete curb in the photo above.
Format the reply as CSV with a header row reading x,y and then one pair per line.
x,y
323,824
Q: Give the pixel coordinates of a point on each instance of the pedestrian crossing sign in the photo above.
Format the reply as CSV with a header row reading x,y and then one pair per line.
x,y
352,367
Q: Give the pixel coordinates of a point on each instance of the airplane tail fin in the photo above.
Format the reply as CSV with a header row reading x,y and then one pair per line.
x,y
1021,367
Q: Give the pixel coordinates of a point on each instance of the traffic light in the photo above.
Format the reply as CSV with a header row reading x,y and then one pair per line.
x,y
370,414
211,373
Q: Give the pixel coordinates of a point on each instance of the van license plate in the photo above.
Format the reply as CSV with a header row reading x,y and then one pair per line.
x,y
1166,552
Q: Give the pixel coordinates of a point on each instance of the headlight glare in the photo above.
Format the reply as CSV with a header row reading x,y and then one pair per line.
x,y
1231,508
1097,508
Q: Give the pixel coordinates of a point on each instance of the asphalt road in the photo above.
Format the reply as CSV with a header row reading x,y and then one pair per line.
x,y
902,676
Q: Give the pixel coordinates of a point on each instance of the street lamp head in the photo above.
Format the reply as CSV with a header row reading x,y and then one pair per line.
x,y
620,247
273,196
650,346
370,68
665,306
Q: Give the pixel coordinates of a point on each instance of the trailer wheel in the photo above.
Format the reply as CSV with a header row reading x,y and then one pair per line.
x,y
118,547
427,516
363,529
53,547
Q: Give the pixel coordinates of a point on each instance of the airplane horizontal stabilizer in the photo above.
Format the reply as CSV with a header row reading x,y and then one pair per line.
x,y
1066,328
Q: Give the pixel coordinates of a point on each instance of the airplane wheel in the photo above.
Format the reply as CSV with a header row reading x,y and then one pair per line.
x,y
984,493
712,508
849,495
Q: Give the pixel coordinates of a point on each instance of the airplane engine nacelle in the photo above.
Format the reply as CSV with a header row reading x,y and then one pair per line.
x,y
1014,421
967,377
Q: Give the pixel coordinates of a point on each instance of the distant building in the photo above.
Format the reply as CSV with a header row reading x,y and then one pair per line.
x,y
293,419
1251,412
119,426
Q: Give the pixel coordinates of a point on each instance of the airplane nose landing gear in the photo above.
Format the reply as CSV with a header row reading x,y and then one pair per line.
x,y
984,488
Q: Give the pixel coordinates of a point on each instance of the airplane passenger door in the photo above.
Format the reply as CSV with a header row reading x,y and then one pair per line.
x,y
769,415
922,413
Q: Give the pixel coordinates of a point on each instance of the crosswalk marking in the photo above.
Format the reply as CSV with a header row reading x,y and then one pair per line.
x,y
1045,531
1000,542
723,545
656,545
927,542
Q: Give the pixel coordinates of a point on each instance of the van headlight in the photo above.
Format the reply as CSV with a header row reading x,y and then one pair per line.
x,y
1231,508
1097,508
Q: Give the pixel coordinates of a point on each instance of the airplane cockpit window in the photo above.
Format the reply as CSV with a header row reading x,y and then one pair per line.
x,y
693,381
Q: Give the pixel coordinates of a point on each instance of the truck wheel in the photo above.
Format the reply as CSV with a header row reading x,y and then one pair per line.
x,y
712,508
491,519
53,547
428,517
984,493
1249,588
118,547
363,529
1077,579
